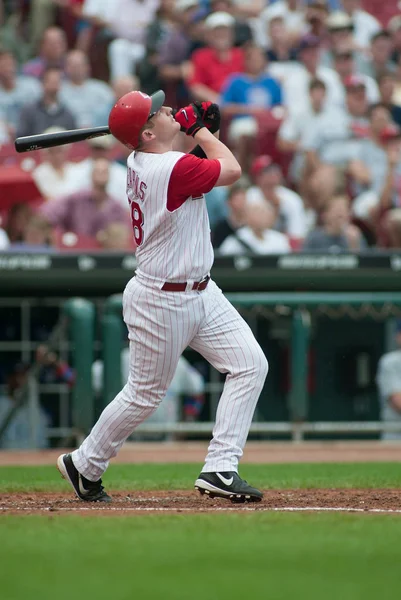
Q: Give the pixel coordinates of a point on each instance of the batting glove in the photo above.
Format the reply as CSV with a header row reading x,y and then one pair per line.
x,y
190,119
210,115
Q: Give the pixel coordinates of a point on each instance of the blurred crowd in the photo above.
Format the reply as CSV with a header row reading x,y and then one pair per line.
x,y
310,96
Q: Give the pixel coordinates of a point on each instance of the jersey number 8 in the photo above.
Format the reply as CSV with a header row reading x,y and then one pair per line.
x,y
137,222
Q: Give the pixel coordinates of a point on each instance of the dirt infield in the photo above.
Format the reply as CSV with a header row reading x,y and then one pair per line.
x,y
188,501
255,452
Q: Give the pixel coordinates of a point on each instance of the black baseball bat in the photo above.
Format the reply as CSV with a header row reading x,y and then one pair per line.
x,y
48,140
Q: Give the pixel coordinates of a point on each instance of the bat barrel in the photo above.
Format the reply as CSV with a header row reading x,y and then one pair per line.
x,y
49,140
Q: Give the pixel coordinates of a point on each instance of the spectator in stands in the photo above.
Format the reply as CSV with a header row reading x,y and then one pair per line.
x,y
55,176
176,49
379,61
236,204
4,241
280,47
101,147
17,219
96,12
213,64
37,237
13,30
158,30
387,89
118,23
390,194
344,65
290,216
246,98
21,432
340,29
368,170
121,86
394,28
83,29
293,14
388,381
15,92
52,368
89,211
116,237
42,14
52,52
365,25
95,16
249,9
48,111
128,47
332,143
78,90
242,29
316,15
28,426
337,233
257,236
296,83
297,125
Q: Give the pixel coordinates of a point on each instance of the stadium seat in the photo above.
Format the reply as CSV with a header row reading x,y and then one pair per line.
x,y
17,185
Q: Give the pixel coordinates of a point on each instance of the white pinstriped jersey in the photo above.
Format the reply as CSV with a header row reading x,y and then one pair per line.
x,y
171,245
173,236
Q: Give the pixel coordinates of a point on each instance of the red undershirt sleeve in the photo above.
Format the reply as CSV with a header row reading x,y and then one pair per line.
x,y
191,176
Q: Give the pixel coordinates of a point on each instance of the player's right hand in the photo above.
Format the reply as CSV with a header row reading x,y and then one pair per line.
x,y
190,119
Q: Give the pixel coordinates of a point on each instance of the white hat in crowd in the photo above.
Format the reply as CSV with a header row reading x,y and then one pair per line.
x,y
339,20
219,19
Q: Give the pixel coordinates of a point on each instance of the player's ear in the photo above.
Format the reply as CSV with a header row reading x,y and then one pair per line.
x,y
147,135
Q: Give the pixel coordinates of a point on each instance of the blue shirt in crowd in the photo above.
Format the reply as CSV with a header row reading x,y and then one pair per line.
x,y
263,92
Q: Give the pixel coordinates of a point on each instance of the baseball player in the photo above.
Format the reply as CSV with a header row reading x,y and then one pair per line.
x,y
171,302
186,381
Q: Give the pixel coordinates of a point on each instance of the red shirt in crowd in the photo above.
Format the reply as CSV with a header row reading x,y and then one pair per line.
x,y
210,71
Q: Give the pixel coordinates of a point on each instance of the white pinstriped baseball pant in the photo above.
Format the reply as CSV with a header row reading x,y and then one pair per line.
x,y
161,325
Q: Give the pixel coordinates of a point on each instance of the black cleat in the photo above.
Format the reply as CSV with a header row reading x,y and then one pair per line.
x,y
89,491
227,485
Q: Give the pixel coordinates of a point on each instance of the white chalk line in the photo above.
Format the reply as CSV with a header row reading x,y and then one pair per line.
x,y
206,510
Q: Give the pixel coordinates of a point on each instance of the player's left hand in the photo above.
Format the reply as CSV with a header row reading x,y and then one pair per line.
x,y
210,115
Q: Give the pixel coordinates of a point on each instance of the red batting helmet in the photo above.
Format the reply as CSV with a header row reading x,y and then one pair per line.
x,y
130,114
